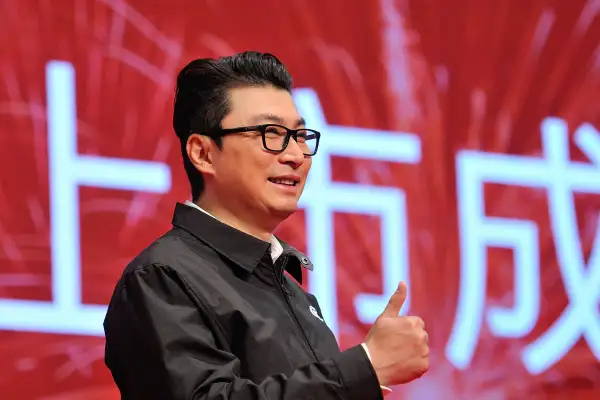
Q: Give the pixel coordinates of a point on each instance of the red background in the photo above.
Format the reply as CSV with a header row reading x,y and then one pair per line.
x,y
477,75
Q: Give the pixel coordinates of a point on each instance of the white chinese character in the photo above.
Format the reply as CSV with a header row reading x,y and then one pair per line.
x,y
69,170
322,198
582,283
560,177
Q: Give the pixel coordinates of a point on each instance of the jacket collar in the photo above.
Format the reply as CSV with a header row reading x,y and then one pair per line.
x,y
296,261
243,249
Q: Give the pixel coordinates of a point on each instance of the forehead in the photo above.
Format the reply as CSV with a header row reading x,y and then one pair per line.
x,y
253,105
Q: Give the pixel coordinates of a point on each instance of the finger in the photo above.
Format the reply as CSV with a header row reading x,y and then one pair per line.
x,y
396,301
416,322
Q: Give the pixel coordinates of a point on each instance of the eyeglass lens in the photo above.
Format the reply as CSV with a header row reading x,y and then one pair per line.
x,y
275,139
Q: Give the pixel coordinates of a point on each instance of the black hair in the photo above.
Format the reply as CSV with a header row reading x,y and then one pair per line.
x,y
202,101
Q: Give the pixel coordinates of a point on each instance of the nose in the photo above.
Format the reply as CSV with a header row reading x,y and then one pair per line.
x,y
293,154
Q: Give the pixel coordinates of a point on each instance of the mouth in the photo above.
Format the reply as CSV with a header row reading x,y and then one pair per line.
x,y
285,181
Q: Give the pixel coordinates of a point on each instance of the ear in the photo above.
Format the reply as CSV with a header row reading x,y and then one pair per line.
x,y
200,150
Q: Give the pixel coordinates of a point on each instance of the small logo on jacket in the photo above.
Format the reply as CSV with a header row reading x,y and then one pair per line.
x,y
314,312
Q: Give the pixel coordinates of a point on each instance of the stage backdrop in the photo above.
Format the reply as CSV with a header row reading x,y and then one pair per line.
x,y
460,153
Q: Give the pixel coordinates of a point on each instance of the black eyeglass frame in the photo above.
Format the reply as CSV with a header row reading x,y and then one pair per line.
x,y
263,131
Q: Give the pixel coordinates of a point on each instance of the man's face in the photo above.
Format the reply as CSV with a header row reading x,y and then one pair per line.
x,y
246,175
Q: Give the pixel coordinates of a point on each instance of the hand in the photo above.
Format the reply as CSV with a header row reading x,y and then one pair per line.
x,y
398,345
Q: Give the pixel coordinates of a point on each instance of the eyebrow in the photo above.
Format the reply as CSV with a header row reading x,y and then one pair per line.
x,y
277,119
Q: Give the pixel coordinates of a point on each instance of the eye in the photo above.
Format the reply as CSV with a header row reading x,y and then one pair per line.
x,y
273,131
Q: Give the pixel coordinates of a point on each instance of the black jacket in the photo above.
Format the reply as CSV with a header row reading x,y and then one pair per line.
x,y
203,313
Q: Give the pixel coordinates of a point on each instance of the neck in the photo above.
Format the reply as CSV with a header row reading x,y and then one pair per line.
x,y
227,217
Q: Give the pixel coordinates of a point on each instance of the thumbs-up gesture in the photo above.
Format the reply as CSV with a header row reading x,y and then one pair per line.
x,y
398,345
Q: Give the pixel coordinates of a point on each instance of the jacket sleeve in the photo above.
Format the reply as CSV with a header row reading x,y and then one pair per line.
x,y
162,344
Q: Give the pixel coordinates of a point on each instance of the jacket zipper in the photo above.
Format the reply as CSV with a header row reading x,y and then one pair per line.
x,y
285,292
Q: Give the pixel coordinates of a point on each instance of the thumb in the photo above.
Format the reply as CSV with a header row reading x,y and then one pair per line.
x,y
396,301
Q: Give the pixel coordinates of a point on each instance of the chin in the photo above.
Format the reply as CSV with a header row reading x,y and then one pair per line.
x,y
284,210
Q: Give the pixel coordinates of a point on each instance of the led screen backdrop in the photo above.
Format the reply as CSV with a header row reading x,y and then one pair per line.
x,y
461,153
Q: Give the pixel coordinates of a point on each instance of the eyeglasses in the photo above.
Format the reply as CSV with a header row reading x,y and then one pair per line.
x,y
276,137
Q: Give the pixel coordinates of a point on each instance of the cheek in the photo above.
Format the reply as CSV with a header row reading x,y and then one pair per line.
x,y
247,169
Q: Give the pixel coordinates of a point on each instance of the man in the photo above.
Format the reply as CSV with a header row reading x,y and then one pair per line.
x,y
206,311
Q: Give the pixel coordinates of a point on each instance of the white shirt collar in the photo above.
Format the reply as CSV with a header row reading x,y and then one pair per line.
x,y
276,247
